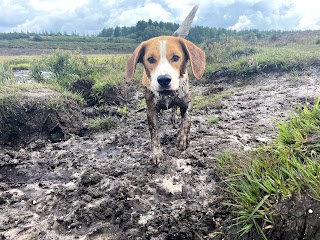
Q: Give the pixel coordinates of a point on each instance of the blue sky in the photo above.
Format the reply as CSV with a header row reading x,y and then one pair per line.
x,y
91,16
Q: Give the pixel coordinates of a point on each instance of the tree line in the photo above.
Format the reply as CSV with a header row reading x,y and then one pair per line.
x,y
144,30
141,31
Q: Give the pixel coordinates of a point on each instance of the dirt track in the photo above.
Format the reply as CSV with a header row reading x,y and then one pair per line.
x,y
102,186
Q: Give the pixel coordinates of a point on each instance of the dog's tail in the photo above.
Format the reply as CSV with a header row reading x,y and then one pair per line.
x,y
185,26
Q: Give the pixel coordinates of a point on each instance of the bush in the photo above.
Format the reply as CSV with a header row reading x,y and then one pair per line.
x,y
66,67
37,38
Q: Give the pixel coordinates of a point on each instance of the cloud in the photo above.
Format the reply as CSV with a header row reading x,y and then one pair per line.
x,y
309,14
12,13
148,11
91,16
243,23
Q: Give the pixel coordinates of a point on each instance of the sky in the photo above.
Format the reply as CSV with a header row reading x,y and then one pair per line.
x,y
88,17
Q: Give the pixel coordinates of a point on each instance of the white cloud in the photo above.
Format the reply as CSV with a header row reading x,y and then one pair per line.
x,y
12,13
90,16
309,14
150,10
57,5
243,23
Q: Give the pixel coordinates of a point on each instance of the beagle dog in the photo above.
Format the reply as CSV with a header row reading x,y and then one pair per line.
x,y
166,83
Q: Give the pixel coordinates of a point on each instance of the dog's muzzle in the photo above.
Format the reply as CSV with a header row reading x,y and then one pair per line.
x,y
164,82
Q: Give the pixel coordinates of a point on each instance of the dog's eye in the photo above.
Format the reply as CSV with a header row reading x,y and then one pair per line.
x,y
151,60
175,58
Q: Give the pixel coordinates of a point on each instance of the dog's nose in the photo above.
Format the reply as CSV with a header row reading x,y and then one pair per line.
x,y
164,80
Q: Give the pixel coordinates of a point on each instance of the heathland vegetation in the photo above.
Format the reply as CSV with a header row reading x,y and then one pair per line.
x,y
124,39
254,181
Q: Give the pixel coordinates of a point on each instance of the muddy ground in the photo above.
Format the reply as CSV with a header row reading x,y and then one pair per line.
x,y
103,186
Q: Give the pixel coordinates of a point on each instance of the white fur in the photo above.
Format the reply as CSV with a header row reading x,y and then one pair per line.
x,y
164,68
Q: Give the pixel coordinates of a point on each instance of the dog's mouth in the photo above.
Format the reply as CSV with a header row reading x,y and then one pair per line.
x,y
166,92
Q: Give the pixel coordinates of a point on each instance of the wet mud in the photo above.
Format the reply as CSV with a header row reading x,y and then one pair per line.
x,y
103,185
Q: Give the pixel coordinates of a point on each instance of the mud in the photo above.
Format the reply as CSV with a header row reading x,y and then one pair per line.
x,y
38,115
103,185
299,218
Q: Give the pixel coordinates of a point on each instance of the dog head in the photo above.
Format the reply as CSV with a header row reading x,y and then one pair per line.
x,y
165,62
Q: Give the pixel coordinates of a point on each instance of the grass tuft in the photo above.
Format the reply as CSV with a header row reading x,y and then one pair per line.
x,y
202,102
6,73
213,120
291,165
102,123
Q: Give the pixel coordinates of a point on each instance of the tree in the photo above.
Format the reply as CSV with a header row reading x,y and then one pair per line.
x,y
106,32
117,32
141,25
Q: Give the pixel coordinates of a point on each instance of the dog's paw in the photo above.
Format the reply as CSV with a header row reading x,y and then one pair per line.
x,y
174,120
157,156
183,140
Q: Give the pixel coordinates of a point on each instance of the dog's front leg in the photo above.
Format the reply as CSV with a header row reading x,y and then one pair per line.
x,y
153,122
174,118
183,138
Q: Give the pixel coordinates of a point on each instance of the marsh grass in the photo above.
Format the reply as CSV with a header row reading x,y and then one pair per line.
x,y
291,165
242,58
101,72
21,62
67,67
6,73
88,44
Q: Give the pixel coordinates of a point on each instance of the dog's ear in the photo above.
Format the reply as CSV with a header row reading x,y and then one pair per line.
x,y
196,56
133,60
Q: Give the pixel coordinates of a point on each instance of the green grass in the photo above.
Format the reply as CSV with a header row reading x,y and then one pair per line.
x,y
102,71
240,58
68,67
91,44
102,123
201,102
213,120
291,165
19,62
12,92
6,73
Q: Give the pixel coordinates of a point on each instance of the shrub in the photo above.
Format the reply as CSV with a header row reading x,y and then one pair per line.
x,y
66,67
37,38
36,72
